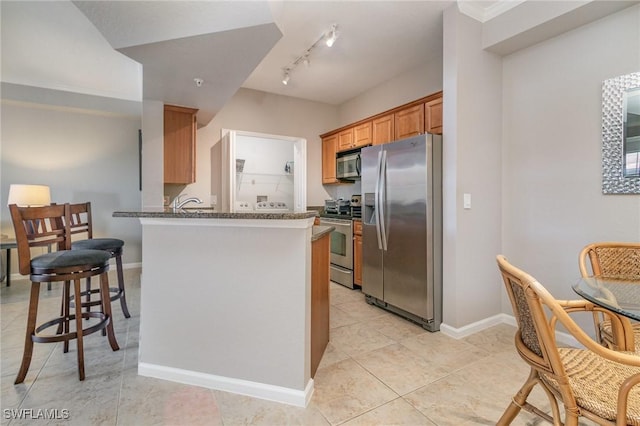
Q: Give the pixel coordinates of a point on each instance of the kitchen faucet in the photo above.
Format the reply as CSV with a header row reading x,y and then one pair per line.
x,y
177,204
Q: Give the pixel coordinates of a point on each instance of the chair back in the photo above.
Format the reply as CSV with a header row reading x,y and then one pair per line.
x,y
535,338
81,219
612,260
39,227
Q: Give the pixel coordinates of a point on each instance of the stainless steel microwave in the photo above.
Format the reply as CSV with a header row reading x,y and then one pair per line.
x,y
348,166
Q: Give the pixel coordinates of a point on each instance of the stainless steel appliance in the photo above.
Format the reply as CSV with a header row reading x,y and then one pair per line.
x,y
341,255
356,205
339,206
348,165
402,228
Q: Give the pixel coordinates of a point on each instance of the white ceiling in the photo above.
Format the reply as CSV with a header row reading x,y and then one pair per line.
x,y
248,43
377,41
228,44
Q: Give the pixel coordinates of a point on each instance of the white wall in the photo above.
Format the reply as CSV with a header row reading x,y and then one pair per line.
x,y
406,87
552,202
260,112
471,164
83,155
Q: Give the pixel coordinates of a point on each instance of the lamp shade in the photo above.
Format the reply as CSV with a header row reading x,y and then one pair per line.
x,y
29,195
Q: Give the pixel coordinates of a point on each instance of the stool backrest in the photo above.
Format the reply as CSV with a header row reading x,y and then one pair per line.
x,y
39,227
81,219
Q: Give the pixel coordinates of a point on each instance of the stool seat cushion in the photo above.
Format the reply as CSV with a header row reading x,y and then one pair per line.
x,y
68,258
97,244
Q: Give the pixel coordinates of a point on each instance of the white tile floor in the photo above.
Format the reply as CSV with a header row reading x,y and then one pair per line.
x,y
378,369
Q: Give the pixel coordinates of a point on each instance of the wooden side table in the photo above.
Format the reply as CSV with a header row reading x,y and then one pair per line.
x,y
7,244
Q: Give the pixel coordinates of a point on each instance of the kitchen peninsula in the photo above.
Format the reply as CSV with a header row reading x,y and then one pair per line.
x,y
226,300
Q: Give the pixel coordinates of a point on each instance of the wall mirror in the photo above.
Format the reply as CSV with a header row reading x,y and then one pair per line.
x,y
621,135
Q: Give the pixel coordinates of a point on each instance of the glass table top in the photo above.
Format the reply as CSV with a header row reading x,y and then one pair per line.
x,y
618,295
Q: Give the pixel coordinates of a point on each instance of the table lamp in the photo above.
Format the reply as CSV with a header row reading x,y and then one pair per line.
x,y
29,195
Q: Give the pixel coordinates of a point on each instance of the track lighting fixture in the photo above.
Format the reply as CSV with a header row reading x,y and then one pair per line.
x,y
332,36
329,38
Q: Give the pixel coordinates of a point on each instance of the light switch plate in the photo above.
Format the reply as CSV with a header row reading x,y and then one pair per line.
x,y
466,203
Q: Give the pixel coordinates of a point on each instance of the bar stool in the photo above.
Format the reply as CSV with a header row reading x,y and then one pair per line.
x,y
39,227
81,223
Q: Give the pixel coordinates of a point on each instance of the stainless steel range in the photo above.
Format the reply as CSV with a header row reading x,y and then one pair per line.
x,y
337,213
341,256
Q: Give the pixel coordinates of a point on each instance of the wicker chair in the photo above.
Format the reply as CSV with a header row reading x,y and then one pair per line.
x,y
595,383
611,260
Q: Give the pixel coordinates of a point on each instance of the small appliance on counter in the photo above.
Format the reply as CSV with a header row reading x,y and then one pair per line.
x,y
356,205
339,206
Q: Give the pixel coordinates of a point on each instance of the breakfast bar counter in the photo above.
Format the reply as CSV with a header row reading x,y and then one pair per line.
x,y
226,300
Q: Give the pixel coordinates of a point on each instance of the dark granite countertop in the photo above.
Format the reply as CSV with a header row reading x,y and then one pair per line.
x,y
210,214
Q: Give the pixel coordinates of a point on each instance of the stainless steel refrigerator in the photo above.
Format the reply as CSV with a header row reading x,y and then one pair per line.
x,y
402,228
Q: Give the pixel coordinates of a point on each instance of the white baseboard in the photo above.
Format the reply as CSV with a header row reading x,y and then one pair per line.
x,y
299,398
469,329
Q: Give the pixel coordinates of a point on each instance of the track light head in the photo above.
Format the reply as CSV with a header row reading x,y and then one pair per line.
x,y
332,35
328,38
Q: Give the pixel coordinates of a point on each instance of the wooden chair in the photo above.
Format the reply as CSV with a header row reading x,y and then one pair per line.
x,y
611,260
81,223
39,227
595,383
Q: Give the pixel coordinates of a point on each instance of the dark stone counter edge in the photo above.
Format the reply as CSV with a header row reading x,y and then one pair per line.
x,y
215,215
320,231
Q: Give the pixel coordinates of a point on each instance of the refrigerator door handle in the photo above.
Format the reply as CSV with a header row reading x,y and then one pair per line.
x,y
376,203
382,199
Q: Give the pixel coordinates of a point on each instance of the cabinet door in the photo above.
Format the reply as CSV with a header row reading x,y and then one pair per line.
x,y
433,116
329,148
383,129
345,140
357,260
179,144
409,122
362,135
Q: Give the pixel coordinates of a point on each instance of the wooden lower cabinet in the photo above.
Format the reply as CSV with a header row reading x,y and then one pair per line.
x,y
357,252
319,299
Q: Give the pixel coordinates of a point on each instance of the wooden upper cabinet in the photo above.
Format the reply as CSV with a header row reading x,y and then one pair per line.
x,y
329,149
433,116
179,144
409,122
345,139
362,135
383,129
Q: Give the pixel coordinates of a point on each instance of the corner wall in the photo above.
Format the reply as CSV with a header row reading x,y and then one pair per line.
x,y
471,164
553,203
83,154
